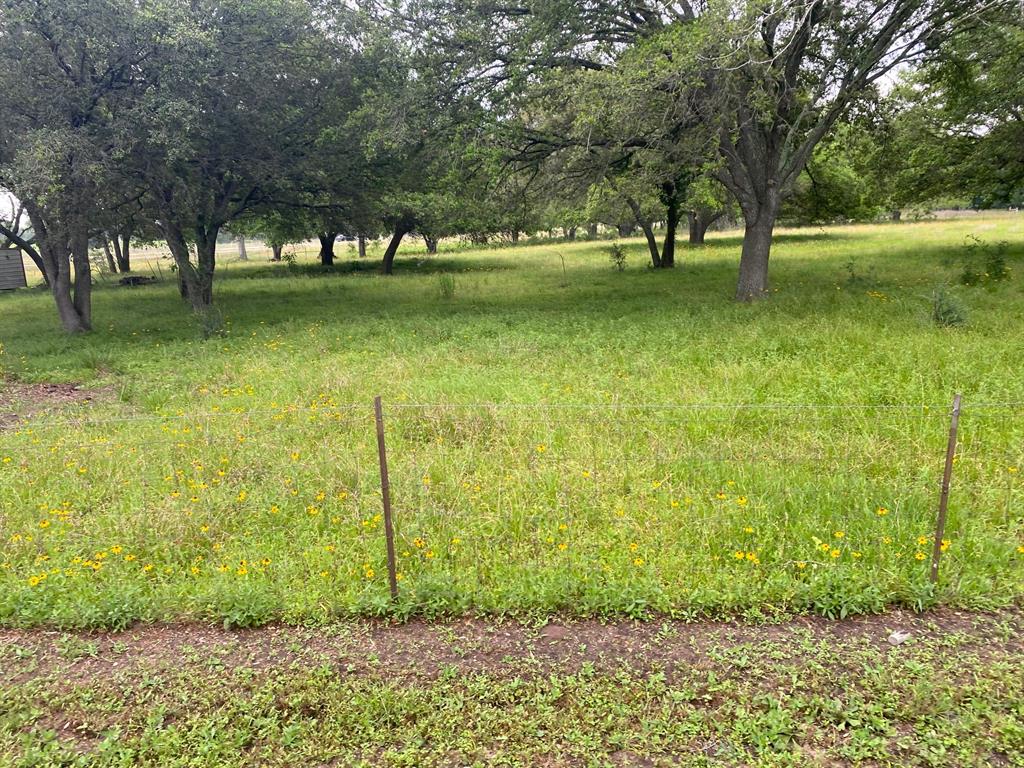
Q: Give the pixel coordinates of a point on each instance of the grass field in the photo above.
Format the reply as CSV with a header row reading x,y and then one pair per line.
x,y
535,467
816,694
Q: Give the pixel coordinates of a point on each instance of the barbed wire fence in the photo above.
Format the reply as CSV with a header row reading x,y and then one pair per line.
x,y
684,446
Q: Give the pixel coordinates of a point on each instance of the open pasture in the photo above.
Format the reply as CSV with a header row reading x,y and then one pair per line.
x,y
563,437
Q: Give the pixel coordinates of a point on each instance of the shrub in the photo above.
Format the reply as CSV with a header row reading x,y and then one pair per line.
x,y
984,261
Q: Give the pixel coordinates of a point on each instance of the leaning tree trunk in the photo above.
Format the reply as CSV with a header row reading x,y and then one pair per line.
x,y
388,264
327,248
115,241
757,245
431,243
648,229
26,247
109,255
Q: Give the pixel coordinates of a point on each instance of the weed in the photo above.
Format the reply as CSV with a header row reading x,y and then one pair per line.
x,y
617,255
947,310
446,284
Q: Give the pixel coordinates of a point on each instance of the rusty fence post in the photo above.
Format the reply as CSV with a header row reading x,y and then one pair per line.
x,y
940,523
385,489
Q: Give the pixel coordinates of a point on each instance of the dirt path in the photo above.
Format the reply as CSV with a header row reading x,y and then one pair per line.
x,y
424,650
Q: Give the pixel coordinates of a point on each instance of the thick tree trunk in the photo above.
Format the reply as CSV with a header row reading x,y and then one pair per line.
x,y
696,229
56,252
243,255
700,220
757,245
277,249
388,264
83,276
625,230
60,287
195,281
592,231
201,294
110,256
896,215
570,234
431,243
327,248
124,257
361,246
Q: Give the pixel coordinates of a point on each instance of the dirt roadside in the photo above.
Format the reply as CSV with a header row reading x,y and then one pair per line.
x,y
424,650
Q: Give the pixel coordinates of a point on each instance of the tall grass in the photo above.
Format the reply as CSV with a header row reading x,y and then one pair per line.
x,y
235,478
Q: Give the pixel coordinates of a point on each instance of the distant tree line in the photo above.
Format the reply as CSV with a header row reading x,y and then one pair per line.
x,y
179,120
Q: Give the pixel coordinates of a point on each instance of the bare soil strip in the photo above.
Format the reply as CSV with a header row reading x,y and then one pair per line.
x,y
19,401
423,650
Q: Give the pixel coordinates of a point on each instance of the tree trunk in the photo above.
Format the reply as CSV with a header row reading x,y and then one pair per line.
x,y
570,234
327,248
277,248
60,287
896,215
388,264
124,260
757,245
83,276
195,281
696,230
648,229
668,250
115,241
243,255
431,243
592,231
515,237
700,220
56,258
110,256
201,294
361,244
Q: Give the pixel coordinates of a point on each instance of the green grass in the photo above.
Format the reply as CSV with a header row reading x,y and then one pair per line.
x,y
231,479
952,696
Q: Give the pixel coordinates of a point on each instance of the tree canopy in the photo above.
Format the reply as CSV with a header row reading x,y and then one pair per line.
x,y
301,119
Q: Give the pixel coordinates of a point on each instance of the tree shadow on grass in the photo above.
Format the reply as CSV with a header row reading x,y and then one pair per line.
x,y
423,265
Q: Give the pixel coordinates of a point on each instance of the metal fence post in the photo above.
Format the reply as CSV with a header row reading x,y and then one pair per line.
x,y
385,489
940,524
